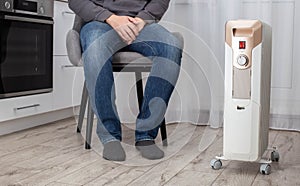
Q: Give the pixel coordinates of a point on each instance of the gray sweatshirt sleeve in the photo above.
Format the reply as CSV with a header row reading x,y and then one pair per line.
x,y
154,10
89,11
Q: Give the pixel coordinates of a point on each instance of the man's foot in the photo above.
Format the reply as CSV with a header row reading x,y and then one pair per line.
x,y
149,150
114,151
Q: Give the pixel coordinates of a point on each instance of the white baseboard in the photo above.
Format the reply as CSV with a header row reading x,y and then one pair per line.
x,y
282,122
285,122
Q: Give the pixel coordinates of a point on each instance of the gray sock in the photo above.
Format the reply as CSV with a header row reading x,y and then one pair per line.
x,y
114,151
149,150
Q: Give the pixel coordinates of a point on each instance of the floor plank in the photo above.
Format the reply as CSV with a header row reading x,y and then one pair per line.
x,y
32,137
192,178
89,172
24,154
52,174
10,175
52,158
121,175
199,168
60,184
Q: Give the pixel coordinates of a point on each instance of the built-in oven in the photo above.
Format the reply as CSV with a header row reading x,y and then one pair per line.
x,y
26,47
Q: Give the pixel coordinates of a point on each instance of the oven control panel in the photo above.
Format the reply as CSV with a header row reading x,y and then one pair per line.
x,y
33,7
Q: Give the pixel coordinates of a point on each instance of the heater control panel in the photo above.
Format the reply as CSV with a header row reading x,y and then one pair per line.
x,y
242,52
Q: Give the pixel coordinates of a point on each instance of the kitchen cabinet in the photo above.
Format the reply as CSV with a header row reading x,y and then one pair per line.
x,y
67,81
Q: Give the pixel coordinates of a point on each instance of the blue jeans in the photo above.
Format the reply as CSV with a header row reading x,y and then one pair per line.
x,y
99,42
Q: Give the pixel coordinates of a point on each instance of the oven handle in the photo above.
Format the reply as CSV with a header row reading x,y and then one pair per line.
x,y
26,19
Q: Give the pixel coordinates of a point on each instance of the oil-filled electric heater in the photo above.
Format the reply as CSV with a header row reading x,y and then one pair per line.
x,y
248,49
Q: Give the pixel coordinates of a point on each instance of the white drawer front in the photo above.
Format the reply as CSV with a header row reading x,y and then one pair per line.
x,y
68,83
13,108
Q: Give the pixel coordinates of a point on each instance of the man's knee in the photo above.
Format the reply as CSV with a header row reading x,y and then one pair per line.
x,y
94,34
157,33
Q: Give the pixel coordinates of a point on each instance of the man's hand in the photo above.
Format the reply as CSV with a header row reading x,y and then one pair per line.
x,y
140,23
124,26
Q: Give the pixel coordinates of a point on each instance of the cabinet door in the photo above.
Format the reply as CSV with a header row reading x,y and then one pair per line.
x,y
63,22
68,83
13,108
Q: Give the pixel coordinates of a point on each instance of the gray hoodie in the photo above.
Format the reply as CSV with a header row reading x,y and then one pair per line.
x,y
100,10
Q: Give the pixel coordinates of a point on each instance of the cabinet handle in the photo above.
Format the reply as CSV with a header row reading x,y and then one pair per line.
x,y
26,107
68,12
69,66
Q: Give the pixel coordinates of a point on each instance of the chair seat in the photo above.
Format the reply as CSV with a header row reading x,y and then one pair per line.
x,y
128,57
128,61
120,59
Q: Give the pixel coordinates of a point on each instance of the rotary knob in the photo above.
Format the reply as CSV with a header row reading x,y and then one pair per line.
x,y
7,5
242,60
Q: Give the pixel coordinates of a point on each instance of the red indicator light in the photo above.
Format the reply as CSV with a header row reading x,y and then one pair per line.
x,y
242,45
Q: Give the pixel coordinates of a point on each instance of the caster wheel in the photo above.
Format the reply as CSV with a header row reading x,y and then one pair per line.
x,y
275,156
265,169
215,164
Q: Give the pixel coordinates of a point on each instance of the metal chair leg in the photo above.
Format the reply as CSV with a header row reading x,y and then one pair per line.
x,y
84,98
139,88
89,126
140,94
163,133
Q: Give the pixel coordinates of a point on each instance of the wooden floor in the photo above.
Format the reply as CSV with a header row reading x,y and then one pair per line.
x,y
54,155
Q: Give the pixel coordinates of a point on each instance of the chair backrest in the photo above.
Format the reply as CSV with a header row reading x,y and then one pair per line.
x,y
73,42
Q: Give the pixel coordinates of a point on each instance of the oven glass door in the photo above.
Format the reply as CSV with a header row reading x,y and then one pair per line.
x,y
26,56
